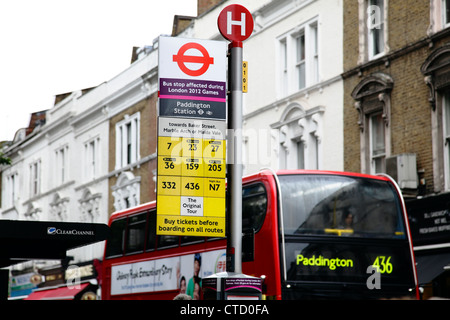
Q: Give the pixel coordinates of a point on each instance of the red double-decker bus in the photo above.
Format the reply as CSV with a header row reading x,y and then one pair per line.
x,y
308,234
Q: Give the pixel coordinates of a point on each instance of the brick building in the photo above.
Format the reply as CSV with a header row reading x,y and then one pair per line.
x,y
397,112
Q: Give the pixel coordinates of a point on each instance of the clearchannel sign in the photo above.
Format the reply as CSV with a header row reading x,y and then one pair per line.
x,y
70,232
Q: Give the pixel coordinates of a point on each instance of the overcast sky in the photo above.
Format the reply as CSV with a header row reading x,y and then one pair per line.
x,y
48,47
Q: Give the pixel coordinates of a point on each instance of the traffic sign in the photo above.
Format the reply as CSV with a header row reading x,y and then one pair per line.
x,y
205,60
191,59
191,137
235,23
192,78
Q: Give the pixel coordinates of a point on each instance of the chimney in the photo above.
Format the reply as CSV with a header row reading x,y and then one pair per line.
x,y
180,23
205,5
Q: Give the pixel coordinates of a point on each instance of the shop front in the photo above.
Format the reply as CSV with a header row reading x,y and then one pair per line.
x,y
73,282
429,218
22,241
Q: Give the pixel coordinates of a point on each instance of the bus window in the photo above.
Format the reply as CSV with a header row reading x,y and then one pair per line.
x,y
167,241
190,240
163,241
340,205
136,233
254,206
115,243
151,231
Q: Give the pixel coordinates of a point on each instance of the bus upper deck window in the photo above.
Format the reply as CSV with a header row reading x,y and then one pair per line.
x,y
115,244
254,206
136,233
340,205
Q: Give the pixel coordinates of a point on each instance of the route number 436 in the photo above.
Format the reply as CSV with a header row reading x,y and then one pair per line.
x,y
383,264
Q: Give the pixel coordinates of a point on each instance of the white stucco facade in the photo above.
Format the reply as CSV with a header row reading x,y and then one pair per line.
x,y
293,115
60,171
290,123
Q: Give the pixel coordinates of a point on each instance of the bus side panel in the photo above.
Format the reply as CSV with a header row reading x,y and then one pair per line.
x,y
202,247
266,255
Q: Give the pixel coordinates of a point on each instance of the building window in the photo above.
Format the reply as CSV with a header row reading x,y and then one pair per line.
x,y
11,190
126,191
373,33
300,64
91,154
300,154
90,206
284,68
299,59
373,103
127,140
378,145
62,158
375,27
439,16
445,13
35,178
446,137
299,139
437,78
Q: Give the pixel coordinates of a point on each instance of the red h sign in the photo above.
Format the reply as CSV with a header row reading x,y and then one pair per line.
x,y
235,23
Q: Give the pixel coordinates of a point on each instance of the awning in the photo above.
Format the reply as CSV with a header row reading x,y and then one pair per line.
x,y
26,240
431,266
62,293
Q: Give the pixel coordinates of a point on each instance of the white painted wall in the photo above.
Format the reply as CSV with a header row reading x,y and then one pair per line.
x,y
263,104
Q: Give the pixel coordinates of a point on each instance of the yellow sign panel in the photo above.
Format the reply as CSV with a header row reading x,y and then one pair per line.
x,y
211,205
169,146
169,166
214,168
192,226
169,186
213,148
191,178
168,205
192,167
244,76
214,188
192,147
191,186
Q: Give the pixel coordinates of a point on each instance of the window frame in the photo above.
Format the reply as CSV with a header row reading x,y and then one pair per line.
x,y
377,155
289,62
446,137
128,140
445,18
61,165
92,158
376,28
35,178
300,135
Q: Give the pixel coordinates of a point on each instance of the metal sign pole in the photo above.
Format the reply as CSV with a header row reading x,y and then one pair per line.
x,y
235,150
235,24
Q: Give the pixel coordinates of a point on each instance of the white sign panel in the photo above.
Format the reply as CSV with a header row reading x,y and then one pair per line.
x,y
181,58
175,273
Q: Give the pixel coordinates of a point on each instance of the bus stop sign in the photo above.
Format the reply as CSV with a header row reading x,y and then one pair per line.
x,y
235,23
